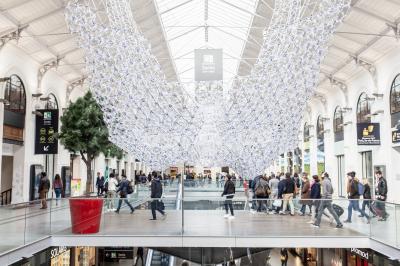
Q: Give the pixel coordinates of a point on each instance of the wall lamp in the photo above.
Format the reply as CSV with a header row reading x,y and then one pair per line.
x,y
37,113
347,109
378,95
36,95
348,123
45,99
378,112
5,79
370,99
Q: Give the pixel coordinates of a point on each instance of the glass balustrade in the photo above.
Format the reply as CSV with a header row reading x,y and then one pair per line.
x,y
195,215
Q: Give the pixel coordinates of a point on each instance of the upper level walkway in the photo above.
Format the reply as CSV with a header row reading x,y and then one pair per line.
x,y
193,221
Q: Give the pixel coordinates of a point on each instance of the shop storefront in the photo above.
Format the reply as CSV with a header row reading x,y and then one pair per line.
x,y
353,257
61,256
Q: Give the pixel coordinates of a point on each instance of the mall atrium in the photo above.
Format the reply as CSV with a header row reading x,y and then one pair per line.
x,y
200,132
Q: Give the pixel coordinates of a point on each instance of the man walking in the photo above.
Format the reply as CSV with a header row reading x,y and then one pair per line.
x,y
123,190
326,202
156,193
44,187
99,184
354,196
381,195
287,194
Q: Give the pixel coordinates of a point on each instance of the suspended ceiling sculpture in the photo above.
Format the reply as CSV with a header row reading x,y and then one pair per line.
x,y
162,125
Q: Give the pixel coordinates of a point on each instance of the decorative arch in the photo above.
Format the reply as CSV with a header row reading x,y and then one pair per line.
x,y
52,102
363,109
15,95
338,122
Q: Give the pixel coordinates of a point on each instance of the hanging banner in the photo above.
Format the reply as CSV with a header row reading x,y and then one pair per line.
x,y
368,134
207,64
46,128
396,136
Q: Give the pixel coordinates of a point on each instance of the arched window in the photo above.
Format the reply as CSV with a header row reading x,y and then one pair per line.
x,y
395,96
15,95
306,133
51,102
363,109
338,124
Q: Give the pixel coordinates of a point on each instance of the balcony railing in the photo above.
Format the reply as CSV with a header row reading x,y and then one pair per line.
x,y
198,217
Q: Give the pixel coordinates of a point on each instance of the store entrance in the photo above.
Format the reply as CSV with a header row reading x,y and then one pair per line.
x,y
7,163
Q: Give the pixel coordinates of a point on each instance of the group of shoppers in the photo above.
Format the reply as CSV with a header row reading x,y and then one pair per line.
x,y
276,193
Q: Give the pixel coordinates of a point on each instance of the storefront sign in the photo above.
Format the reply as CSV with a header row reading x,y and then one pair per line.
x,y
368,134
57,251
364,254
396,136
46,128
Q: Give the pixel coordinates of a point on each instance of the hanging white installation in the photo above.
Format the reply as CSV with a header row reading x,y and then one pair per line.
x,y
162,125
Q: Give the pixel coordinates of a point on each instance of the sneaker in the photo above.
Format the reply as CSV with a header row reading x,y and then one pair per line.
x,y
164,216
347,221
116,211
132,211
152,219
339,226
231,217
382,219
302,214
360,216
315,225
226,216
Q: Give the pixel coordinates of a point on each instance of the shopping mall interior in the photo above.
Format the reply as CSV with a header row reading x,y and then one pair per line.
x,y
199,132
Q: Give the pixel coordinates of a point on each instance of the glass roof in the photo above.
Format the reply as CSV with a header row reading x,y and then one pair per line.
x,y
196,24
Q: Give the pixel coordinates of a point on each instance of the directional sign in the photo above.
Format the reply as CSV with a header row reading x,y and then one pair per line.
x,y
46,128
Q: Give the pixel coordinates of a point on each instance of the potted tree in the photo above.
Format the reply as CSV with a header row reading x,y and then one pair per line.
x,y
83,131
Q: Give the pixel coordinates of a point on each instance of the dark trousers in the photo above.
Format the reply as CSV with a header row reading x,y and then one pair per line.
x,y
123,198
156,206
353,204
304,207
380,205
228,204
365,204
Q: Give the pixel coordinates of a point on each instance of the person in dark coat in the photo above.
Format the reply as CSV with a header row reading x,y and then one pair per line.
x,y
284,256
381,191
229,192
367,198
156,193
305,194
123,188
100,184
315,195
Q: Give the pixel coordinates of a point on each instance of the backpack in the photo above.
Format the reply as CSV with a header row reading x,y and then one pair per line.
x,y
360,189
231,188
130,188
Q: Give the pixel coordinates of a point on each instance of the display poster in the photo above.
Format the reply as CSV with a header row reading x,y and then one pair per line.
x,y
75,187
396,136
114,254
368,134
208,64
45,132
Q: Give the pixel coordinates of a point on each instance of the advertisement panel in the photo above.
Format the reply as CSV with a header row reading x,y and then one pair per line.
x,y
46,128
396,136
368,134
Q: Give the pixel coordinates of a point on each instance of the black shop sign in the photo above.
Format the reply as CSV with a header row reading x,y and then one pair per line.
x,y
396,136
368,134
46,128
114,254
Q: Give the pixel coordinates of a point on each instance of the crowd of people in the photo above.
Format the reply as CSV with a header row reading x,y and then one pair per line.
x,y
275,194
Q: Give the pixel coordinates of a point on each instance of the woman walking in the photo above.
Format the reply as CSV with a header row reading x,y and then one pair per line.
x,y
58,187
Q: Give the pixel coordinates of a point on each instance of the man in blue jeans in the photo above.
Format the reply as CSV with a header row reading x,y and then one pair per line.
x,y
354,196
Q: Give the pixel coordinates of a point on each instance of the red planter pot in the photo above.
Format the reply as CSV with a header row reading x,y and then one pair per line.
x,y
85,215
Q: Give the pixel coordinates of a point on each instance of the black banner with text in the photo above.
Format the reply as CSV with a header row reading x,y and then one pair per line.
x,y
46,128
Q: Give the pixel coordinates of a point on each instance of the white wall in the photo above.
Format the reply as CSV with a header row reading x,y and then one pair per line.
x,y
14,61
388,68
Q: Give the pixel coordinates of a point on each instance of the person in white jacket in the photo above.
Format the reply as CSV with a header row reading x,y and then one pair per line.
x,y
111,193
